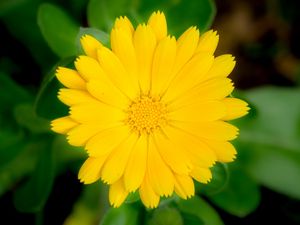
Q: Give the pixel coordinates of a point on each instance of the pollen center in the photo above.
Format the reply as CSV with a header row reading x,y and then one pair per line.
x,y
146,114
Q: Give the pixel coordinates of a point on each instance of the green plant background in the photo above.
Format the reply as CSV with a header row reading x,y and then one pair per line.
x,y
39,35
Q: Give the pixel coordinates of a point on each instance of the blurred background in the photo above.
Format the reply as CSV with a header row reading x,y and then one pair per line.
x,y
38,169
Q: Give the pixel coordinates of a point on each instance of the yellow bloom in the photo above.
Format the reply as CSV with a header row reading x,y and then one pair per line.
x,y
151,112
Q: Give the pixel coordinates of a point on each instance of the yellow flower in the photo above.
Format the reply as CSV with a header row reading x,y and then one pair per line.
x,y
151,112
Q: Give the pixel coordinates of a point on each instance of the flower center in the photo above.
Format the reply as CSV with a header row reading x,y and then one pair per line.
x,y
146,115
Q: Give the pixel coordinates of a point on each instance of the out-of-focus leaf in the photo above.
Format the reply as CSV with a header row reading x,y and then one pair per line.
x,y
47,104
102,13
98,34
269,144
220,176
11,93
26,117
11,144
183,13
13,171
124,215
165,215
276,122
58,29
198,207
32,196
7,5
240,197
88,208
190,219
21,23
133,197
273,167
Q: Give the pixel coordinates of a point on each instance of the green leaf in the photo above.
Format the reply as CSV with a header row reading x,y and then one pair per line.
x,y
133,197
198,207
14,170
88,208
102,13
21,23
11,93
273,167
11,144
26,117
124,215
277,118
32,196
98,34
58,29
47,104
220,176
269,143
182,14
7,5
165,215
240,197
190,219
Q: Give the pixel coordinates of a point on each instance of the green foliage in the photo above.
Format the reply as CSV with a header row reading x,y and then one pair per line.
x,y
165,215
102,13
32,196
270,140
202,210
240,197
124,215
220,175
58,29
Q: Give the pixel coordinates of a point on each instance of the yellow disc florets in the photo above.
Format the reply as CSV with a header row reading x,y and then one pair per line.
x,y
146,114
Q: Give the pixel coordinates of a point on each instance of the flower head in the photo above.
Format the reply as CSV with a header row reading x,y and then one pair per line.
x,y
152,111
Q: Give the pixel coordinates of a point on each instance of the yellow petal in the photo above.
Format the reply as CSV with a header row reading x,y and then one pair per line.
x,y
117,193
89,68
136,167
160,176
115,164
197,151
186,46
124,23
235,108
144,41
96,113
184,186
122,46
70,78
159,24
214,130
117,73
199,111
73,96
202,175
79,135
163,61
224,150
149,198
172,154
63,125
90,170
208,42
222,66
189,76
107,93
90,45
106,141
213,89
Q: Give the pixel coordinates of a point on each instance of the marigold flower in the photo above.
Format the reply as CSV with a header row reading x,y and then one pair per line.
x,y
151,112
